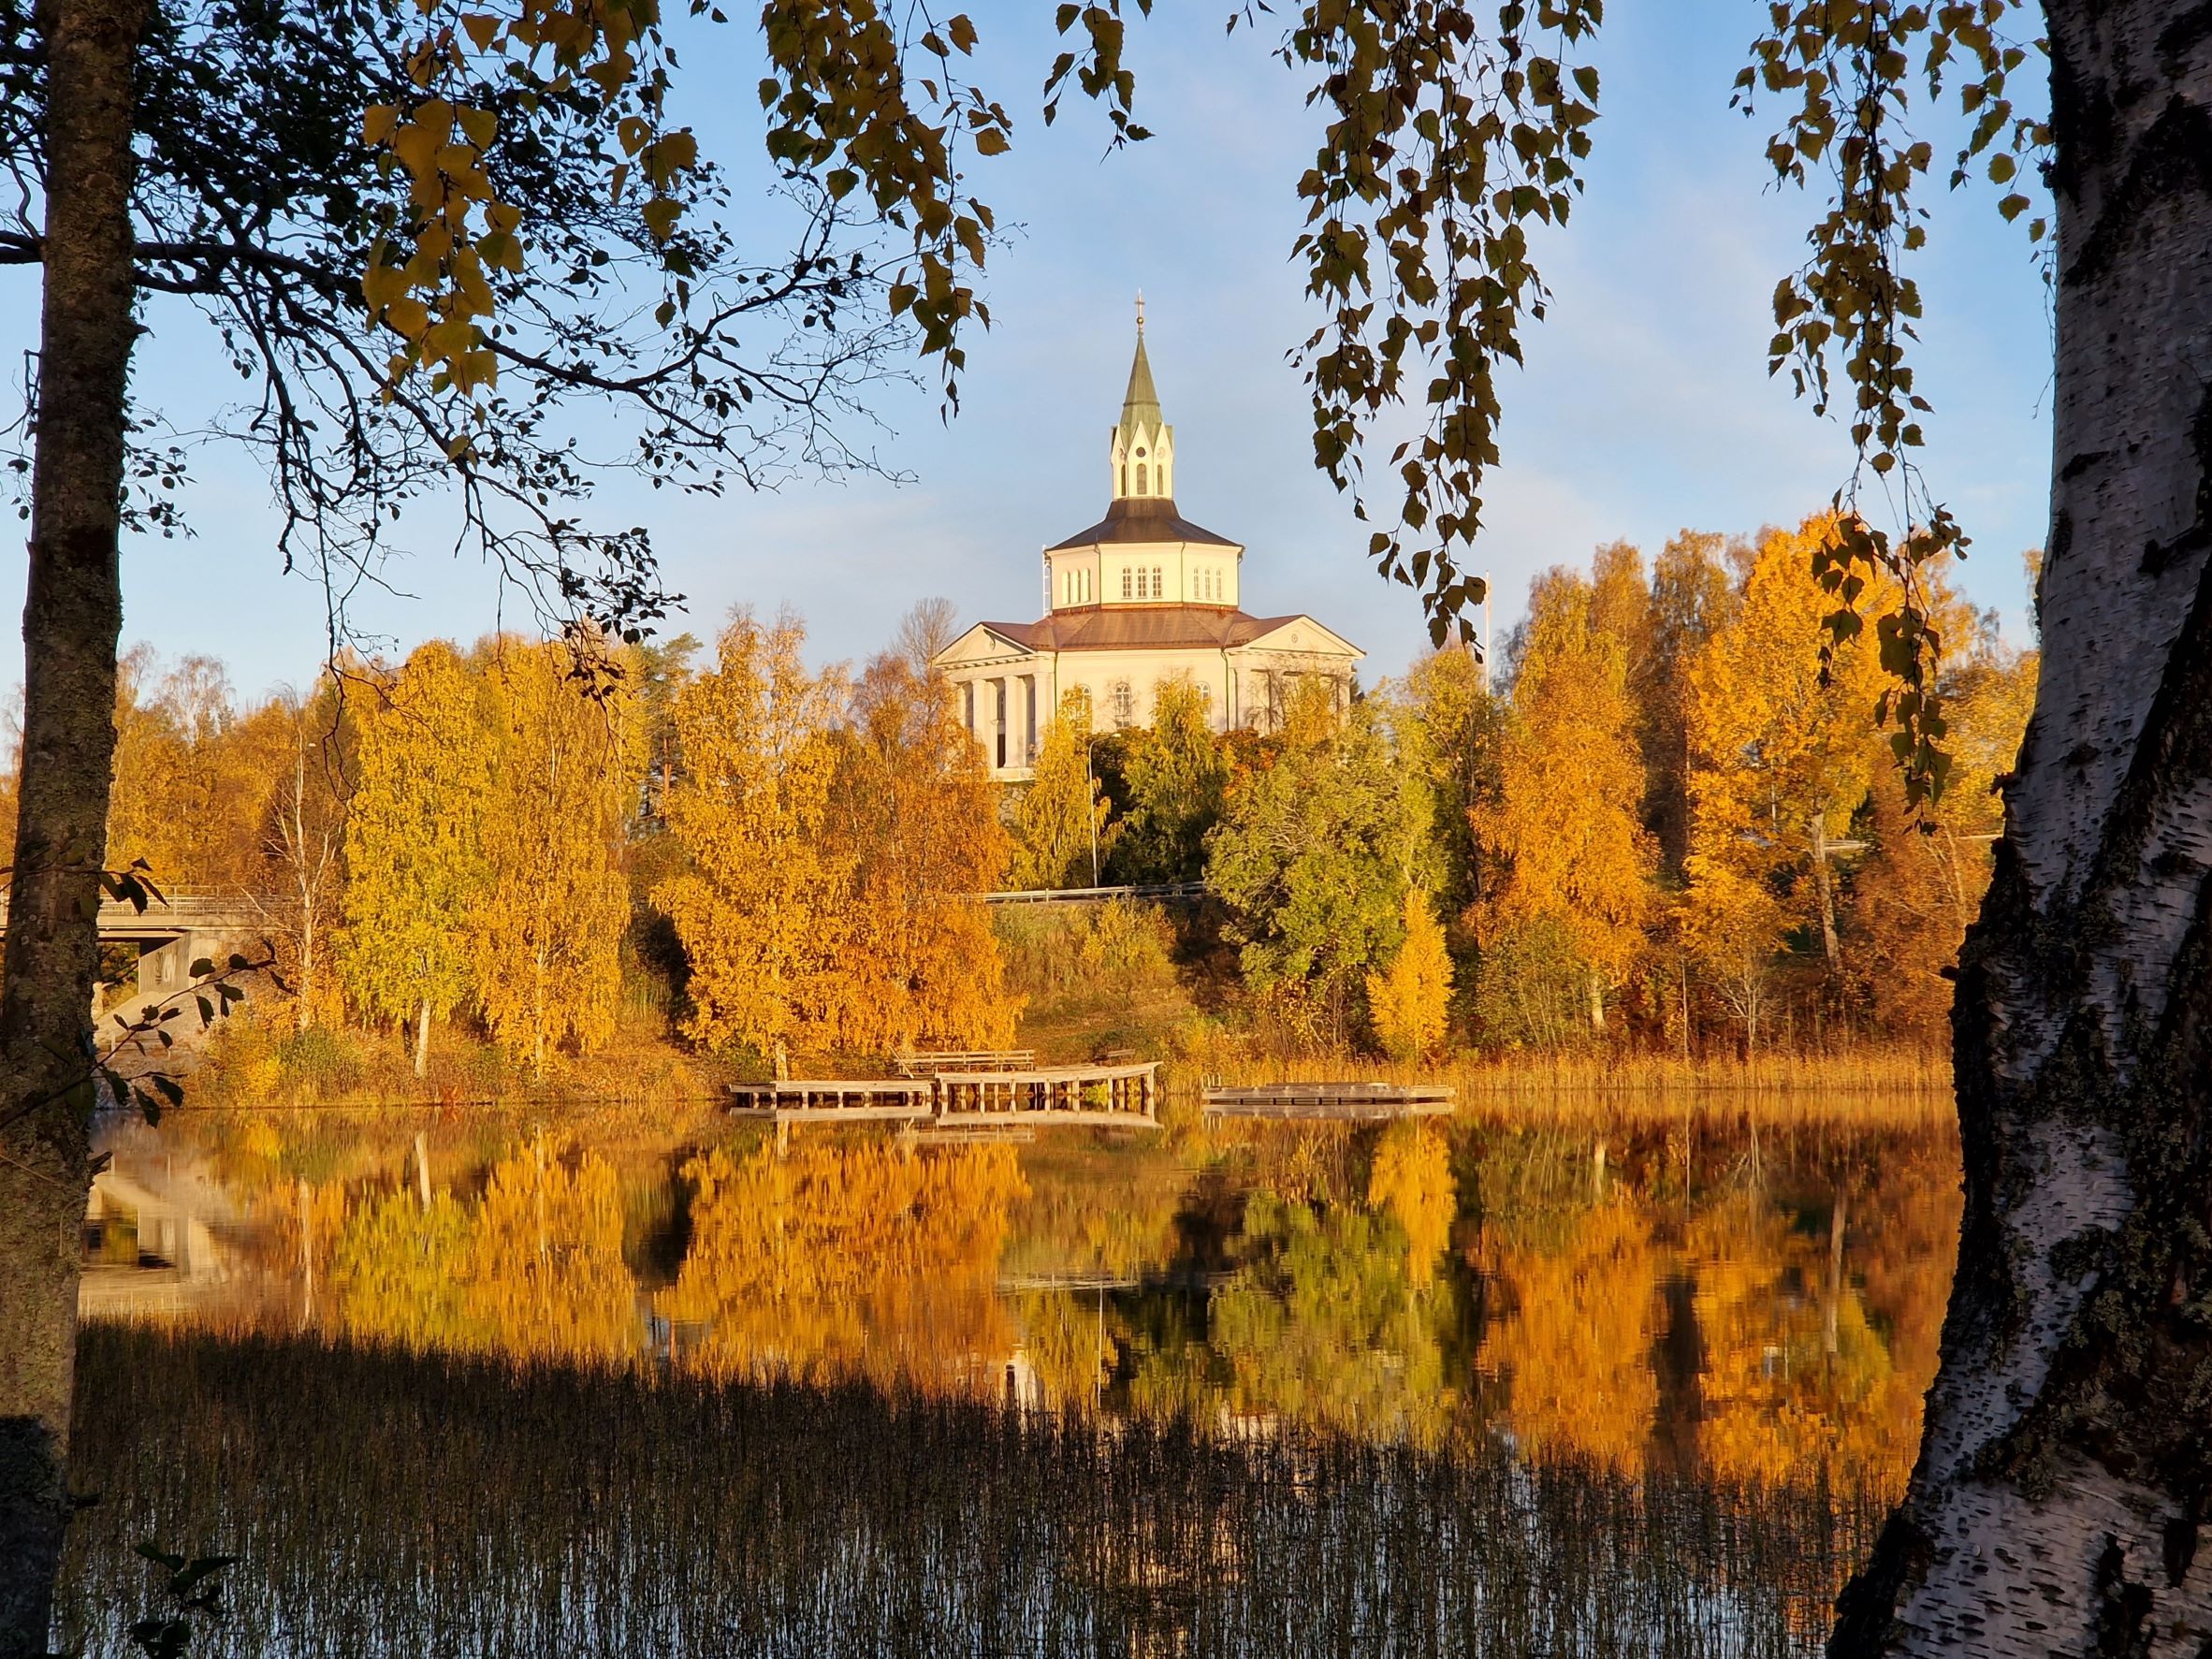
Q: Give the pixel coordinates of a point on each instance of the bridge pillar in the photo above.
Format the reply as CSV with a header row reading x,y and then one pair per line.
x,y
166,967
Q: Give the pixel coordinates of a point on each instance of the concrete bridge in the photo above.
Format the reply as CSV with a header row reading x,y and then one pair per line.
x,y
171,933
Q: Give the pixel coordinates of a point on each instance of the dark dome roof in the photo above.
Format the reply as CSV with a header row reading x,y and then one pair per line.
x,y
1139,627
1147,518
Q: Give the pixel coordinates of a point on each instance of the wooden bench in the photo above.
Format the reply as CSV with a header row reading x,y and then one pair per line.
x,y
928,1062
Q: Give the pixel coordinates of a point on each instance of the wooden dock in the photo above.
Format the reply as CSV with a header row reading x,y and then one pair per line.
x,y
1339,1102
894,1099
1100,1096
1057,1094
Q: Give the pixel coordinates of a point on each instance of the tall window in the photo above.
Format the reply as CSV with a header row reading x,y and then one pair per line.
x,y
1122,699
1001,688
1159,587
967,706
1125,581
1143,482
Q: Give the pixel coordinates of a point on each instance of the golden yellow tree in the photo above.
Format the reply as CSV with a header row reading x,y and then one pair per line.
x,y
1411,1178
915,806
761,907
847,1261
191,780
1061,835
1561,842
1731,925
547,943
1574,1339
306,747
1780,761
532,1270
1409,1001
415,872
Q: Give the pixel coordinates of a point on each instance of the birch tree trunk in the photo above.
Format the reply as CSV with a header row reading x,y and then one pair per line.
x,y
1824,888
2066,1464
72,613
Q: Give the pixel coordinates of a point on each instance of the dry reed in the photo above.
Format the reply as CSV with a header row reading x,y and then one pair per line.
x,y
386,1503
1886,1088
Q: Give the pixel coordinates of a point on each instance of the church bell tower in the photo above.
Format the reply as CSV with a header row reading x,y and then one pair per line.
x,y
1142,447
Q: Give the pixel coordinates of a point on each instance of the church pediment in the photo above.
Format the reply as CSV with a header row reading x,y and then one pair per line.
x,y
1303,636
988,642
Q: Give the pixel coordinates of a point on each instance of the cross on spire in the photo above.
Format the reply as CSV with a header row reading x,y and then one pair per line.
x,y
1140,310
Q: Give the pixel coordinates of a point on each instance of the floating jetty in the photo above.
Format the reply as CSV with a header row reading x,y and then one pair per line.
x,y
1342,1102
979,1095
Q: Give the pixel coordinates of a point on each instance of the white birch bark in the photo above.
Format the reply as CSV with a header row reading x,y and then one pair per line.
x,y
2067,1457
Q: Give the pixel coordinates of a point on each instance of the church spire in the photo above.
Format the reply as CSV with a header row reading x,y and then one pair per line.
x,y
1143,446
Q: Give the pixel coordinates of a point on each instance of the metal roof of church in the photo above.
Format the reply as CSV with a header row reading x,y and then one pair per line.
x,y
1143,519
1141,627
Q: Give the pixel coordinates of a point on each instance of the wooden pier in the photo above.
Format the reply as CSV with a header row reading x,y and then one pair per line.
x,y
893,1099
1103,1096
1058,1094
1340,1102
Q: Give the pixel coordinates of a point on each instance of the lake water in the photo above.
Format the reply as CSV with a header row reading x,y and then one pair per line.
x,y
593,1385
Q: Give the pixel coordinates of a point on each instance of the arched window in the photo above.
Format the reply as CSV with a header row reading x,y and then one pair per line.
x,y
1142,482
1158,586
1122,699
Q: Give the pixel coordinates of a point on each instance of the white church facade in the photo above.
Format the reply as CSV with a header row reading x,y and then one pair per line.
x,y
1141,597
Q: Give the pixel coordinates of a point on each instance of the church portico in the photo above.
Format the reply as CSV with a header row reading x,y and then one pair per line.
x,y
1139,599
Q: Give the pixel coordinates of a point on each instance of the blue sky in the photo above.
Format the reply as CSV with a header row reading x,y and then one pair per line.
x,y
1643,407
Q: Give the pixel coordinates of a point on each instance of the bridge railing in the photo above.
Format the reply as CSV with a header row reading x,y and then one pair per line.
x,y
183,908
1185,891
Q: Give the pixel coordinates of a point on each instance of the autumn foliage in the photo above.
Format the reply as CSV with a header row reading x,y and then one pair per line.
x,y
1654,820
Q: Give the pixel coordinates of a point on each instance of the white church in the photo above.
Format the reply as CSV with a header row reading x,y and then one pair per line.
x,y
1141,597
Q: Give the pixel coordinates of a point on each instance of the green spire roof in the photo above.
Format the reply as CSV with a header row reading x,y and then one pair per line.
x,y
1142,403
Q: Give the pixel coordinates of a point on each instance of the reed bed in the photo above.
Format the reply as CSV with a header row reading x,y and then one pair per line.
x,y
1876,1088
386,1503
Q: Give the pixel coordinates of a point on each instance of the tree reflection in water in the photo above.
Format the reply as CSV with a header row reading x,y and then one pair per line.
x,y
1453,1387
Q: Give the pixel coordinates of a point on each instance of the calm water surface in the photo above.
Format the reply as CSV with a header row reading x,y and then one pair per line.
x,y
582,1387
